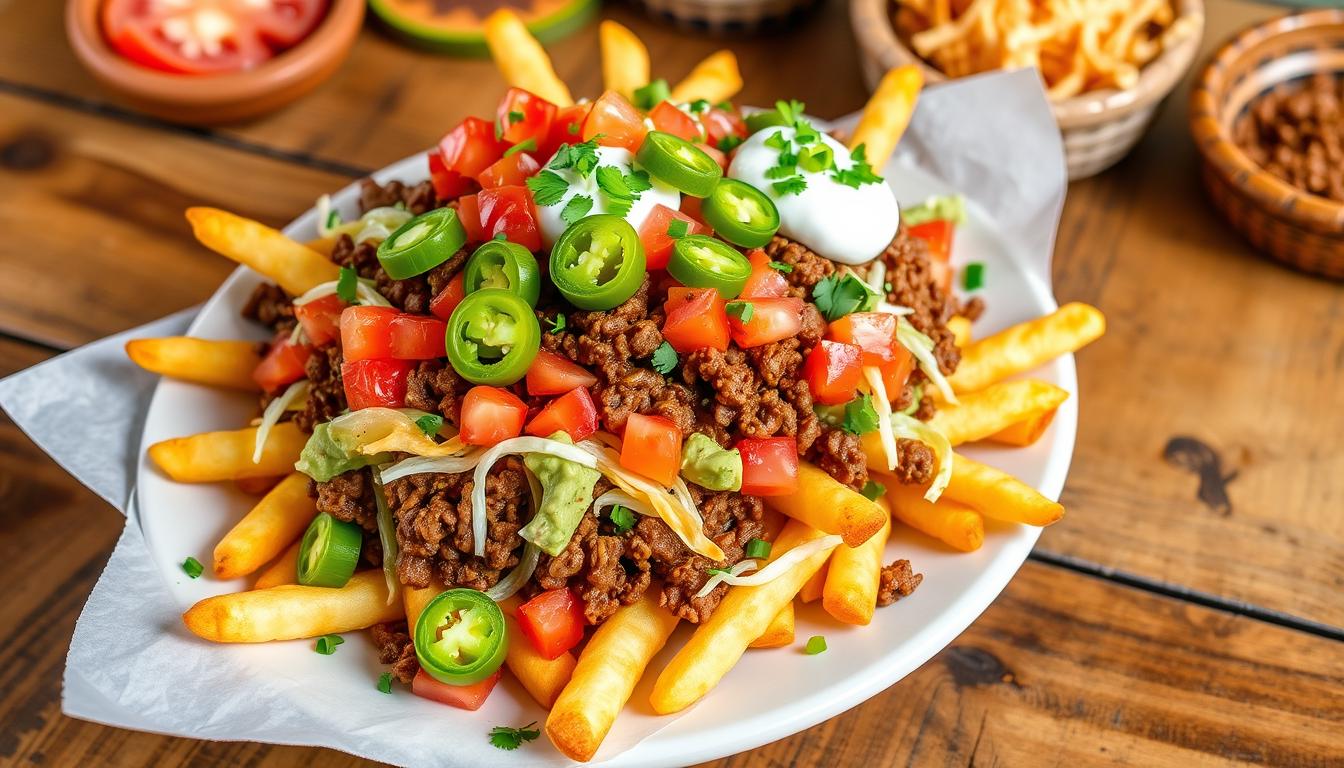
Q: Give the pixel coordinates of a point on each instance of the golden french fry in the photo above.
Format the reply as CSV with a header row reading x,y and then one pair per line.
x,y
811,589
947,520
521,59
887,114
290,612
780,631
961,330
826,505
741,618
278,519
606,674
285,570
981,413
257,486
324,245
625,60
852,577
543,678
1027,345
715,79
1025,432
414,599
999,495
200,361
227,455
294,266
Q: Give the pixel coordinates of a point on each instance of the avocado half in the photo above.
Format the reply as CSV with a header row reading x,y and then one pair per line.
x,y
455,26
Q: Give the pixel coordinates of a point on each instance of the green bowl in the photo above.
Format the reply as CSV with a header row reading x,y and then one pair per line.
x,y
555,21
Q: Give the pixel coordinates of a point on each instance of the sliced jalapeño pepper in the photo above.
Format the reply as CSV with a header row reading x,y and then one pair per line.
x,y
328,552
679,163
492,337
501,264
741,214
700,261
460,637
598,262
422,244
759,121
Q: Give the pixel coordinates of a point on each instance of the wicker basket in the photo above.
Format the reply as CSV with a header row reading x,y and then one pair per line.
x,y
1287,223
1098,127
728,16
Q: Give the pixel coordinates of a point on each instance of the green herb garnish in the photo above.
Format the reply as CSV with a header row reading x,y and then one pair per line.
x,y
385,682
815,644
973,276
548,187
192,567
347,285
664,358
860,416
677,228
504,737
430,424
326,644
527,145
780,266
872,489
742,310
757,549
837,296
622,518
577,207
558,324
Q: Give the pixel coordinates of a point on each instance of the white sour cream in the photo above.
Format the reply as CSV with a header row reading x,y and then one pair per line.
x,y
845,224
552,226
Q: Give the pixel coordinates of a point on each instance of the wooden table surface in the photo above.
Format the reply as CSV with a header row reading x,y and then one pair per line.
x,y
1157,625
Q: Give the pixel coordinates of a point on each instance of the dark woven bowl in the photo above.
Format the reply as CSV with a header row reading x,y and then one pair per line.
x,y
1283,221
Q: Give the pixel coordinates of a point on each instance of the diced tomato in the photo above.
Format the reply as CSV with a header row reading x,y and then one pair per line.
x,y
691,207
205,37
769,466
696,318
447,184
573,413
510,210
722,123
614,122
552,374
510,170
552,621
375,383
651,446
565,129
833,371
283,364
873,332
942,274
366,332
490,415
764,281
938,235
320,318
896,371
469,213
657,242
469,697
772,319
668,118
714,153
416,337
442,306
471,147
523,115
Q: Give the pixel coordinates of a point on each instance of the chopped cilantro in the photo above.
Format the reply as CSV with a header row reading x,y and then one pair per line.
x,y
648,96
581,157
726,106
573,129
872,489
385,682
777,141
790,110
577,207
860,416
558,324
619,206
677,228
757,549
973,276
781,172
622,518
861,173
886,287
816,158
729,143
430,424
499,130
698,106
616,183
837,296
664,358
192,567
504,737
742,310
515,117
346,285
793,186
780,266
326,644
333,219
815,644
548,187
527,145
719,571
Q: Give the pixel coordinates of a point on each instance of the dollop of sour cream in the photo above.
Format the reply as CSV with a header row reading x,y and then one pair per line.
x,y
850,225
552,226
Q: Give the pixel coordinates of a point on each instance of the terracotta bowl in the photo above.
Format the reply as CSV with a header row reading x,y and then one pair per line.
x,y
1283,221
1098,127
211,99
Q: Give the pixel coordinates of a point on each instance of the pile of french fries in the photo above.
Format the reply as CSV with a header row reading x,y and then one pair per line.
x,y
1078,45
586,693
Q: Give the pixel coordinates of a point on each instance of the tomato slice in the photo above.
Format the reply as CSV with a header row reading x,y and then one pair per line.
x,y
283,364
833,371
565,129
375,383
938,235
285,22
523,115
469,213
490,415
769,466
573,413
764,281
469,697
772,319
722,123
321,319
718,156
657,242
202,37
442,305
510,210
552,374
471,147
615,122
651,446
696,318
510,170
552,621
366,333
873,332
668,118
416,337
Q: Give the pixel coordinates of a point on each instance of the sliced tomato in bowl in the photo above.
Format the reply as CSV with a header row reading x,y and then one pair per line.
x,y
199,38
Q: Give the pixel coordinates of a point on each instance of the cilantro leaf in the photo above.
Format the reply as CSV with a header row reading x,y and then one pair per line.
x,y
622,518
837,296
326,645
973,276
346,285
615,183
581,157
527,145
500,236
860,416
648,96
861,173
742,310
777,141
790,186
618,206
872,489
805,134
790,110
548,187
664,358
430,424
698,106
385,682
780,266
730,142
558,324
577,207
677,228
333,219
515,117
815,644
504,737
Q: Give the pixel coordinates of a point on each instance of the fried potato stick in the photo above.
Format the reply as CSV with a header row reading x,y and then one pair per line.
x,y
199,361
981,413
625,60
742,616
887,114
522,60
780,631
999,495
828,506
606,674
961,330
951,522
227,455
543,678
257,486
278,519
852,578
285,570
1027,345
811,590
715,79
414,599
295,266
1025,432
291,611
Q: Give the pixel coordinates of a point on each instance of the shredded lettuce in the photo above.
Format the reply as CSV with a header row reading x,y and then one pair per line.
x,y
384,430
364,293
914,429
325,456
873,375
387,536
376,224
936,208
921,347
274,410
777,567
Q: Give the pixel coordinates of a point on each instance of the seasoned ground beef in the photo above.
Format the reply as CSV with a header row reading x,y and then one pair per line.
x,y
394,645
808,267
412,294
840,455
348,497
914,284
326,391
417,198
897,581
731,520
270,306
435,387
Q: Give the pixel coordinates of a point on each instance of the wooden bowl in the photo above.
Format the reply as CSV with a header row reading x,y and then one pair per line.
x,y
1285,222
727,17
1098,127
211,99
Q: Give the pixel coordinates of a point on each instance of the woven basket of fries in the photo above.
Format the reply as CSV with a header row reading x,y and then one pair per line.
x,y
727,16
1106,64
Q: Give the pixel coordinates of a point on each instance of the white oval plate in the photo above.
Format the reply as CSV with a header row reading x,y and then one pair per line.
x,y
770,694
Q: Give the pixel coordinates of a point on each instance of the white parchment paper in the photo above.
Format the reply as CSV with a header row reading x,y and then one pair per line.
x,y
131,664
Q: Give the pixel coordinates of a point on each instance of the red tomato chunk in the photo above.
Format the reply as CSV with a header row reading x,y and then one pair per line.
x,y
491,415
375,383
552,374
572,413
651,447
769,466
469,697
552,621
